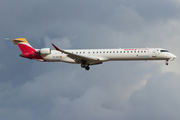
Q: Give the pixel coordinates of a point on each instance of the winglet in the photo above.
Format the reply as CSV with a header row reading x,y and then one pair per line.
x,y
60,49
56,47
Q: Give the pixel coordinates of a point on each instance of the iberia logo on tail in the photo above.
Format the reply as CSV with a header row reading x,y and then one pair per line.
x,y
27,50
24,46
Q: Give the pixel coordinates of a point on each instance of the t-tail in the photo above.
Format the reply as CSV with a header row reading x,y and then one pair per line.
x,y
24,46
27,50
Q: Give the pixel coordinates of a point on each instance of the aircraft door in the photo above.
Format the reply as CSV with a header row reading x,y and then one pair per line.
x,y
154,54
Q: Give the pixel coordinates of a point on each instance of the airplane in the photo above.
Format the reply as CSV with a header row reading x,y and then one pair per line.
x,y
87,57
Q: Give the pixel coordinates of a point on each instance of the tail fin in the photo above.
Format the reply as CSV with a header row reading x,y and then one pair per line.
x,y
24,46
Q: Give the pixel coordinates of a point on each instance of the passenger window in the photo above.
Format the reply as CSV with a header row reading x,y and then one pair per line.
x,y
138,51
134,51
127,51
83,52
117,51
120,51
141,51
110,51
144,51
96,52
113,51
104,52
124,51
131,51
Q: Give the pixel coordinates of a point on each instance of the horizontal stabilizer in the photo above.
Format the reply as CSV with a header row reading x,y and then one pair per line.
x,y
17,40
24,46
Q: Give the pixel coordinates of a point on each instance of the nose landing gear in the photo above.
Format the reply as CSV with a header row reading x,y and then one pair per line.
x,y
167,62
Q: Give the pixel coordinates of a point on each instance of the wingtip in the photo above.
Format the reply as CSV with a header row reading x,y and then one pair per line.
x,y
55,47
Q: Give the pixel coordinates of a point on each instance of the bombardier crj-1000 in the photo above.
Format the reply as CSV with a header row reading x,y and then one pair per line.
x,y
87,57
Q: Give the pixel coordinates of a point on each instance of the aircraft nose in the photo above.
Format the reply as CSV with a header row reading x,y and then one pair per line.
x,y
173,57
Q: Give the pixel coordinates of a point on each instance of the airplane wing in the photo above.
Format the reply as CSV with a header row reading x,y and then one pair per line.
x,y
80,58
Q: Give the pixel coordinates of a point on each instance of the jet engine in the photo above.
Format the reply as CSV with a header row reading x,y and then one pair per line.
x,y
44,51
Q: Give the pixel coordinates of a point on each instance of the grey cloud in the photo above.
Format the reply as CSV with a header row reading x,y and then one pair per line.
x,y
60,42
67,92
156,9
160,99
113,90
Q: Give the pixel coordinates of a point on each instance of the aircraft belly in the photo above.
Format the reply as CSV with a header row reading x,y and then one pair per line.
x,y
55,58
68,60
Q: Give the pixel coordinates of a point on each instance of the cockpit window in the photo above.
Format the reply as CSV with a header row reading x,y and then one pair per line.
x,y
164,51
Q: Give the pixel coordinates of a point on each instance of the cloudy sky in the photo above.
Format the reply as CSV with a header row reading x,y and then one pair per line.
x,y
31,90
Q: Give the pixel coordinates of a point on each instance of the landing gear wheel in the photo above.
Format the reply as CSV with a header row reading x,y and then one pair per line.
x,y
167,62
87,67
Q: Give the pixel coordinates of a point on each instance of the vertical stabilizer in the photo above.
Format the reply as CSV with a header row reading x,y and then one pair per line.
x,y
24,46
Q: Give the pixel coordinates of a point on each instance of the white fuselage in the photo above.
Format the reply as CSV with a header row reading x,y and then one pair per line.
x,y
112,54
87,57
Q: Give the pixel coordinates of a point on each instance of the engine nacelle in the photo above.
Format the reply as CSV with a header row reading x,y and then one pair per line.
x,y
44,51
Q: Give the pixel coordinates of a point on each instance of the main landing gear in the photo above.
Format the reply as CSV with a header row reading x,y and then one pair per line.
x,y
85,66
